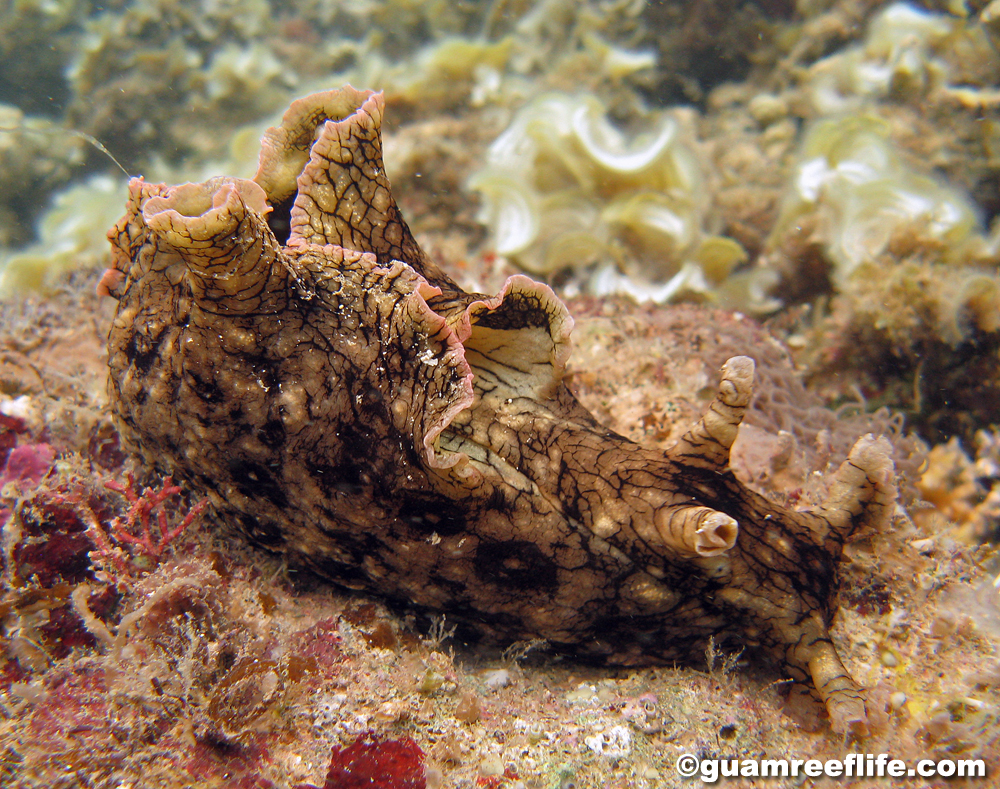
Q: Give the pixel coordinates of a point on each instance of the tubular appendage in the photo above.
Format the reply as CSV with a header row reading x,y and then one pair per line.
x,y
696,531
863,494
709,440
844,698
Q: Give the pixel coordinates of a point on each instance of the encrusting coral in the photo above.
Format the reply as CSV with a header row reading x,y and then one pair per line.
x,y
283,346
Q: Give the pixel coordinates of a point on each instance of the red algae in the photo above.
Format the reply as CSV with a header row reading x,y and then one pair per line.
x,y
371,762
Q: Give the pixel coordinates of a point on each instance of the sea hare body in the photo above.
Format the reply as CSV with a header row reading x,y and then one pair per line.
x,y
283,345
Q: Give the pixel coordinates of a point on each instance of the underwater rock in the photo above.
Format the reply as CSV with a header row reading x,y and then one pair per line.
x,y
700,45
284,346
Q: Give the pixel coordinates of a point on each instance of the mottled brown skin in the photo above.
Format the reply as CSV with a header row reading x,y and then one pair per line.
x,y
341,400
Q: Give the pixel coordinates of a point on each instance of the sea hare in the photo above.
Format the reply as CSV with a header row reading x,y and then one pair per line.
x,y
284,347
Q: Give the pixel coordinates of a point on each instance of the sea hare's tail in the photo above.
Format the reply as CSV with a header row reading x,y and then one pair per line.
x,y
861,498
